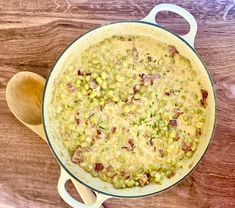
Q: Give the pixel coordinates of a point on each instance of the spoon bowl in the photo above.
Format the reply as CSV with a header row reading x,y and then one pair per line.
x,y
24,94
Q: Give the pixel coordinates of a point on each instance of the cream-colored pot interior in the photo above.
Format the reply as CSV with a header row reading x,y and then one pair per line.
x,y
96,35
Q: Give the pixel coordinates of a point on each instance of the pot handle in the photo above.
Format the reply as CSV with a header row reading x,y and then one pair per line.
x,y
180,11
100,198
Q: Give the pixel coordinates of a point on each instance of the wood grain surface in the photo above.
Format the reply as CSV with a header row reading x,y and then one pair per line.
x,y
34,33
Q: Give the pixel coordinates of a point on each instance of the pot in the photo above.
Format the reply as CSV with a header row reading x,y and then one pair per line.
x,y
146,26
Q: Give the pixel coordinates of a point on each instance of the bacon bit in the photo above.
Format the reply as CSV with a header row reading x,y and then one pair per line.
x,y
148,175
142,76
136,89
128,99
161,153
92,85
198,132
80,73
99,167
131,143
129,146
173,122
204,94
153,77
77,156
129,39
154,149
186,146
149,78
125,175
177,114
78,121
143,180
142,79
99,132
172,50
149,58
71,88
204,97
113,130
171,175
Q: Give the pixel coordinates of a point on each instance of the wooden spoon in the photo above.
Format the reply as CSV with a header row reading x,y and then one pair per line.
x,y
24,97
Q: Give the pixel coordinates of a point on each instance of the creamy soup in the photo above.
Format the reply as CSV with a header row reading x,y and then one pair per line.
x,y
130,110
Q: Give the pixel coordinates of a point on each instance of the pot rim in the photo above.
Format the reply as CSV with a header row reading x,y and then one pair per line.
x,y
43,110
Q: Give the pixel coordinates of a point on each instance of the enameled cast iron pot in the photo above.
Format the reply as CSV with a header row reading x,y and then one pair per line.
x,y
146,26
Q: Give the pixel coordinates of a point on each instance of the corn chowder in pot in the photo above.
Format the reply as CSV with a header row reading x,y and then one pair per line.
x,y
130,110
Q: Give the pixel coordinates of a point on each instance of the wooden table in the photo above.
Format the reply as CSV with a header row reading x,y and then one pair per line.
x,y
34,33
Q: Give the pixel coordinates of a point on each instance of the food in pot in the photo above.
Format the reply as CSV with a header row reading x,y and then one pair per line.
x,y
130,110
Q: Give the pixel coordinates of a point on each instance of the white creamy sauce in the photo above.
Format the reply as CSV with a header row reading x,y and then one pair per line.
x,y
130,110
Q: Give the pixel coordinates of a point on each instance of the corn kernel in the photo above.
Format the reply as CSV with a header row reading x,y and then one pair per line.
x,y
94,75
110,93
104,75
86,87
88,78
104,85
119,78
126,109
79,95
78,82
99,80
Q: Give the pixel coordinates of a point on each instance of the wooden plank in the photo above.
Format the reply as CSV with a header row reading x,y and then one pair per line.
x,y
34,33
